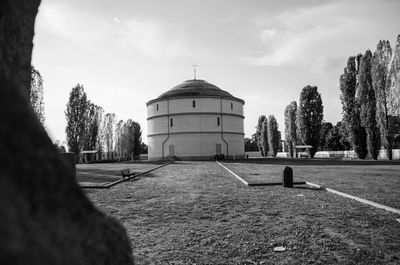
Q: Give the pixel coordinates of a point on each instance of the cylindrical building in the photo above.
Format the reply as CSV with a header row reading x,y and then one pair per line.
x,y
195,121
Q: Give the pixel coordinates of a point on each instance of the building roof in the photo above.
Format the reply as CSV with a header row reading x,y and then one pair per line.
x,y
195,88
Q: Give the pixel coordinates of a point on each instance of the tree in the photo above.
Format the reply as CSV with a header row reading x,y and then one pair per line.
x,y
107,132
119,134
129,139
345,141
137,138
250,144
36,94
60,148
325,129
350,107
367,102
290,127
394,81
144,148
309,117
381,85
264,138
76,118
274,135
394,129
92,126
258,133
333,139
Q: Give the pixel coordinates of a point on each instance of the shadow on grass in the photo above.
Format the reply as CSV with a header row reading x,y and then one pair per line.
x,y
149,175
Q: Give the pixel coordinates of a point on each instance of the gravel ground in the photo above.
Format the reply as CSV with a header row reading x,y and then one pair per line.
x,y
198,213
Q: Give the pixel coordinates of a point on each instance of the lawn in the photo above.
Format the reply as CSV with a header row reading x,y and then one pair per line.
x,y
108,172
198,213
378,182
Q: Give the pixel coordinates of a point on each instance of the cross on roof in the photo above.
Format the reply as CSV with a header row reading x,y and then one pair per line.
x,y
194,70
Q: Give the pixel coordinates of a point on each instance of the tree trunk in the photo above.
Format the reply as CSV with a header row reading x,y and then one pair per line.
x,y
45,218
388,146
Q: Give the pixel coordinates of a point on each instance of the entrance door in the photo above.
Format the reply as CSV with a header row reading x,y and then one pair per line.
x,y
218,149
171,150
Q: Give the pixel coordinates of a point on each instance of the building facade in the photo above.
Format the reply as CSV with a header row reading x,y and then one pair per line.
x,y
195,121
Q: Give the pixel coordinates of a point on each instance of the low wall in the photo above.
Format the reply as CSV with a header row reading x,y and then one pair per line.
x,y
253,154
395,154
353,155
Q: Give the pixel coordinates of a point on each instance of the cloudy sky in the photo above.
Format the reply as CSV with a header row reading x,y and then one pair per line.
x,y
127,52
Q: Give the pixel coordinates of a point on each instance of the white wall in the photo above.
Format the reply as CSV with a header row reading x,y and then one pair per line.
x,y
196,134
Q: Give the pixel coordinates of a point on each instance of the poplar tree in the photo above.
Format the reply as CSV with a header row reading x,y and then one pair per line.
x,y
137,138
107,132
367,101
325,129
129,138
309,117
290,127
92,126
264,138
258,133
36,94
119,138
274,136
394,85
76,115
381,85
351,108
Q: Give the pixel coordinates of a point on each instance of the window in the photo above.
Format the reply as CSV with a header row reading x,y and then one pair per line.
x,y
171,122
157,107
218,121
194,103
231,105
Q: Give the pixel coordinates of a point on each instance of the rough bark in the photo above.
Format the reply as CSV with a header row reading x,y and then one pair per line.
x,y
45,218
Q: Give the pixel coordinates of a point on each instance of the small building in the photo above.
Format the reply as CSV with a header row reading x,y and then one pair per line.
x,y
303,150
195,120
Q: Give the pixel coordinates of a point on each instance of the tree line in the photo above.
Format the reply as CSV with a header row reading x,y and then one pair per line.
x,y
89,128
370,97
304,121
267,136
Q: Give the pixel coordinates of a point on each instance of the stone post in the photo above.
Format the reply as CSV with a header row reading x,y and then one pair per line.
x,y
287,177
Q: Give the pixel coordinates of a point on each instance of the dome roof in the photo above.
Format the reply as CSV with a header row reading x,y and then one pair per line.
x,y
196,88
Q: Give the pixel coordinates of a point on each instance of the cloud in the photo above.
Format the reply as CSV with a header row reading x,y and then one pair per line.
x,y
314,37
89,30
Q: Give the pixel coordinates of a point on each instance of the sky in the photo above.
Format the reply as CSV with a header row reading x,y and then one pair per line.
x,y
127,52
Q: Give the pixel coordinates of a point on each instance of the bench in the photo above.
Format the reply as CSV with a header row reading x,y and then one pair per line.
x,y
126,173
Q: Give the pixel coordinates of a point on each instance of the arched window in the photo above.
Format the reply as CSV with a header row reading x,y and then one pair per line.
x,y
218,121
171,122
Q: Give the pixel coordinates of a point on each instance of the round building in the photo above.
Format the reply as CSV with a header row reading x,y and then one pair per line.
x,y
195,120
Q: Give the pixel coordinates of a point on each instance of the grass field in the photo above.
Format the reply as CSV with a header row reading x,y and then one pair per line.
x,y
198,213
108,172
378,182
